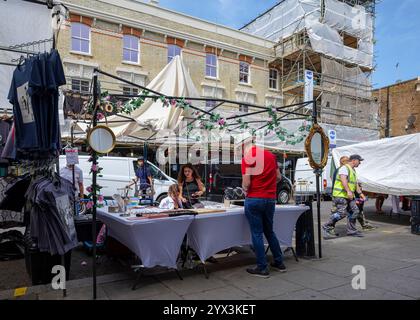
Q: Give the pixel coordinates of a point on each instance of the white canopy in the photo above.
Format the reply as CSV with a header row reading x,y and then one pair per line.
x,y
152,117
390,166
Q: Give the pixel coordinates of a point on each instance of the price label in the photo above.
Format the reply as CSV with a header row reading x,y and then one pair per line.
x,y
72,155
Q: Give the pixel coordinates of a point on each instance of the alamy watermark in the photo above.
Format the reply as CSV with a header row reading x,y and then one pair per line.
x,y
59,280
358,282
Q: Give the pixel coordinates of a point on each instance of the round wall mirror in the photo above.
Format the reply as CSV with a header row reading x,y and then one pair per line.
x,y
101,139
317,147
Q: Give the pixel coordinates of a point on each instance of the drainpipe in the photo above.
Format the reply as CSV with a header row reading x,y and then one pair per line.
x,y
387,127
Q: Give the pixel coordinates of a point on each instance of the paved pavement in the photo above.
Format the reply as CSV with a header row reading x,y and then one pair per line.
x,y
389,254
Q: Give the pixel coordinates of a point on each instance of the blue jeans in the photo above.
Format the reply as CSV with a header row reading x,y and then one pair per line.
x,y
260,214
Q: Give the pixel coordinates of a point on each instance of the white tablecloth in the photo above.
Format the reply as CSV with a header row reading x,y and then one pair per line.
x,y
212,233
156,242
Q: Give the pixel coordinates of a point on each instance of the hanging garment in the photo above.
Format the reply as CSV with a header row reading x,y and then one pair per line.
x,y
51,218
72,105
20,97
4,133
34,95
9,150
14,199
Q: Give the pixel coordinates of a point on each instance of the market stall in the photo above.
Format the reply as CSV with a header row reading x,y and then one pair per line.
x,y
156,237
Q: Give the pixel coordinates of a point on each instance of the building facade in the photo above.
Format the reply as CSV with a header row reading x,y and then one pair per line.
x,y
334,40
399,108
135,40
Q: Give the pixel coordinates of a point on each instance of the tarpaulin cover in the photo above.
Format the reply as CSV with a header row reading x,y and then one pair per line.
x,y
390,166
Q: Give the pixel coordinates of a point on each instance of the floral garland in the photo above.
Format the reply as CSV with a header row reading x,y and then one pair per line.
x,y
206,121
94,188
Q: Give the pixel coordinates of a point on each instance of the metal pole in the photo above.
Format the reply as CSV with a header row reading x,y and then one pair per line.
x,y
318,193
73,170
318,207
94,176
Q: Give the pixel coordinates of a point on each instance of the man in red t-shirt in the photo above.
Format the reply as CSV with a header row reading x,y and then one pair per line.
x,y
260,175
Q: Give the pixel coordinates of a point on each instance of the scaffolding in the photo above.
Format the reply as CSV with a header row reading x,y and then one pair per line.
x,y
334,39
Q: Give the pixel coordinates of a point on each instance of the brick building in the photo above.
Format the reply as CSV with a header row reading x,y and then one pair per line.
x,y
135,40
399,108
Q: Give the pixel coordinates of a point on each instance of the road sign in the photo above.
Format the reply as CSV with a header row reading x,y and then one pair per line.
x,y
332,135
309,86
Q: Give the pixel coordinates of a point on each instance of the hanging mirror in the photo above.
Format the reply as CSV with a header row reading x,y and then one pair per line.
x,y
317,147
101,139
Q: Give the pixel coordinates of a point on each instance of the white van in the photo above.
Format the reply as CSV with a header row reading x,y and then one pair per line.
x,y
305,179
118,172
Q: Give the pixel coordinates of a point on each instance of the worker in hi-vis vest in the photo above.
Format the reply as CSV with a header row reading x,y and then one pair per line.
x,y
344,199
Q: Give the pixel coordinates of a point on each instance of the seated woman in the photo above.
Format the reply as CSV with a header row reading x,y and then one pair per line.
x,y
172,201
190,187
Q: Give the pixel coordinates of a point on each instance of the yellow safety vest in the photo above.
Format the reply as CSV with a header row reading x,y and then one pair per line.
x,y
339,191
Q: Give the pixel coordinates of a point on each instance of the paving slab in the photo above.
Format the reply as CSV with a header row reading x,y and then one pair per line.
x,y
263,288
336,267
412,272
398,253
121,290
395,283
225,293
384,264
346,292
315,279
82,293
305,294
191,284
164,296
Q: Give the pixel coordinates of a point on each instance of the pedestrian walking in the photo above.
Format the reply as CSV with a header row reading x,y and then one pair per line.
x,y
344,200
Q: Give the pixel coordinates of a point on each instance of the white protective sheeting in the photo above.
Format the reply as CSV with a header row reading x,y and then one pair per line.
x,y
347,136
22,22
391,166
292,16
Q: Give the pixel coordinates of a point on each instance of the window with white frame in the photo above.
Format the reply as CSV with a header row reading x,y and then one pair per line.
x,y
244,72
80,85
273,79
173,50
211,65
80,37
130,90
131,49
243,108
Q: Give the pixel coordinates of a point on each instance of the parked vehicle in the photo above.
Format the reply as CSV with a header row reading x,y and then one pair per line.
x,y
223,176
305,179
118,172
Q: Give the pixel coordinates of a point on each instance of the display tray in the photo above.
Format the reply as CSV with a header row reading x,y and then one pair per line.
x,y
161,213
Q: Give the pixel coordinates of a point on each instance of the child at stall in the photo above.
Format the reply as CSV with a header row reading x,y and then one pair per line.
x,y
172,201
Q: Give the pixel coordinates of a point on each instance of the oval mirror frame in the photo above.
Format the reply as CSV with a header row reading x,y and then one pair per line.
x,y
102,127
325,146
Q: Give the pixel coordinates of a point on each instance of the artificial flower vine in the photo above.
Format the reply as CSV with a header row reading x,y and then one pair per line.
x,y
94,188
205,121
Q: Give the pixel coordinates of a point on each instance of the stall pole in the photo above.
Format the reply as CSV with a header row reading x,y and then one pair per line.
x,y
318,192
73,170
94,176
145,156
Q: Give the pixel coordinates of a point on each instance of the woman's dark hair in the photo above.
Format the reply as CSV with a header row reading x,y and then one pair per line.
x,y
181,176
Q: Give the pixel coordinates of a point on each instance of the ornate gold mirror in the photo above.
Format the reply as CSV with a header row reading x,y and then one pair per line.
x,y
101,139
317,147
